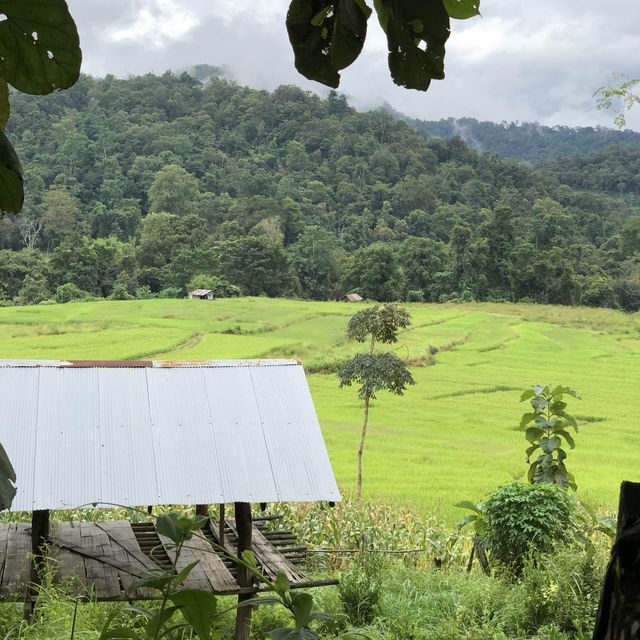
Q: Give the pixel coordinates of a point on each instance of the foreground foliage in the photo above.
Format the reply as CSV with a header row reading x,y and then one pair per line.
x,y
554,597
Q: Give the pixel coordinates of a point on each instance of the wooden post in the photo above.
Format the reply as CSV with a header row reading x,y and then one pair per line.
x,y
243,529
202,510
39,539
221,525
619,611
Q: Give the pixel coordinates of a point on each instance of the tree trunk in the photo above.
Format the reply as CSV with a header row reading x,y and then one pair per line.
x,y
363,435
619,611
244,529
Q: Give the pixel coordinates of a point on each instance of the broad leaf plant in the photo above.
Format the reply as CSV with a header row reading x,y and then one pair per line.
x,y
39,53
547,431
328,36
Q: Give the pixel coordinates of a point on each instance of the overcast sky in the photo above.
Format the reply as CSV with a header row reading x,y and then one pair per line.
x,y
521,61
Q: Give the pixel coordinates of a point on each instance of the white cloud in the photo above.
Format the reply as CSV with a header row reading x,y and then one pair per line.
x,y
156,22
520,61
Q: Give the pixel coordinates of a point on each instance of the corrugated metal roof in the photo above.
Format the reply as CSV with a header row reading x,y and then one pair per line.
x,y
151,432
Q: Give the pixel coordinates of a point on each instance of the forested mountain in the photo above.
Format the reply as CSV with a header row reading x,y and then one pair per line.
x,y
151,185
527,141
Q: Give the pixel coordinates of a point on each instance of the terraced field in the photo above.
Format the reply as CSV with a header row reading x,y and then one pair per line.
x,y
452,436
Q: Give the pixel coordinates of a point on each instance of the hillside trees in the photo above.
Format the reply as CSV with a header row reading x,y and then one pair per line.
x,y
274,165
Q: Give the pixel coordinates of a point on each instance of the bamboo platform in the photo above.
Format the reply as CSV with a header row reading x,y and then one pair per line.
x,y
103,560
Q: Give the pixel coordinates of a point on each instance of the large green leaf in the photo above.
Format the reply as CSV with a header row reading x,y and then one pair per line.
x,y
462,9
326,36
7,480
417,31
199,609
11,183
39,45
4,104
301,607
533,433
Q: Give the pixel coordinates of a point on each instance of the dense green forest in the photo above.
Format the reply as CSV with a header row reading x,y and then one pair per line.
x,y
151,185
527,141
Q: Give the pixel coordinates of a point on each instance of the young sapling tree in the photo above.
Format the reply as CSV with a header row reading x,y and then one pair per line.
x,y
375,372
551,424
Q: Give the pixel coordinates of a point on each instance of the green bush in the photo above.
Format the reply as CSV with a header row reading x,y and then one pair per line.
x,y
360,588
68,292
524,518
170,292
560,592
415,296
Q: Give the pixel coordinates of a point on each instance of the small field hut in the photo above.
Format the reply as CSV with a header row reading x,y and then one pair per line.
x,y
352,297
201,294
155,433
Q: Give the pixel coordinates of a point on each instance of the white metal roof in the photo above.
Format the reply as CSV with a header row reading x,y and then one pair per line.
x,y
149,433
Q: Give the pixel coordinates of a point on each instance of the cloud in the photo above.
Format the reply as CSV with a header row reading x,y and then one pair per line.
x,y
158,22
521,61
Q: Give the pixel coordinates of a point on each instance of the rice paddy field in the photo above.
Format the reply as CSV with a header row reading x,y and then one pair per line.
x,y
452,436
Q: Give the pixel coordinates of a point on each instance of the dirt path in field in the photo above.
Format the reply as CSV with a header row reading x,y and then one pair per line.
x,y
192,341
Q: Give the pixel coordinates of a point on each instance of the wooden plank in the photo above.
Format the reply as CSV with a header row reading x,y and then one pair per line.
x,y
103,576
126,549
197,579
272,561
219,578
4,534
17,573
71,564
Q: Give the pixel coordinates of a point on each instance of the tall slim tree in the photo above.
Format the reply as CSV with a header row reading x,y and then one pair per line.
x,y
373,371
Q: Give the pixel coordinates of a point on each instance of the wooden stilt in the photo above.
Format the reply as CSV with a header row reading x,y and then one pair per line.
x,y
39,539
243,529
202,510
221,525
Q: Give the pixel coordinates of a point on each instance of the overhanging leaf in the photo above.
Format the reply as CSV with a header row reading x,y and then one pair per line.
x,y
326,36
199,609
462,9
11,183
7,480
39,45
417,31
4,104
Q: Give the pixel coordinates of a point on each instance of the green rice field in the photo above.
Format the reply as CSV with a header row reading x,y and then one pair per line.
x,y
452,436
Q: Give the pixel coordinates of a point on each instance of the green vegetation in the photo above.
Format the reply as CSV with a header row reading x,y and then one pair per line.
x,y
551,424
523,518
454,437
135,187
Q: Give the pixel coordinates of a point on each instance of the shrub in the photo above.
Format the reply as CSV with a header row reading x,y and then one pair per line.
x,y
561,591
68,292
170,292
360,588
523,518
415,296
144,292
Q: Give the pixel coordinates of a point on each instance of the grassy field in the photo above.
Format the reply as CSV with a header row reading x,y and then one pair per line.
x,y
452,436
